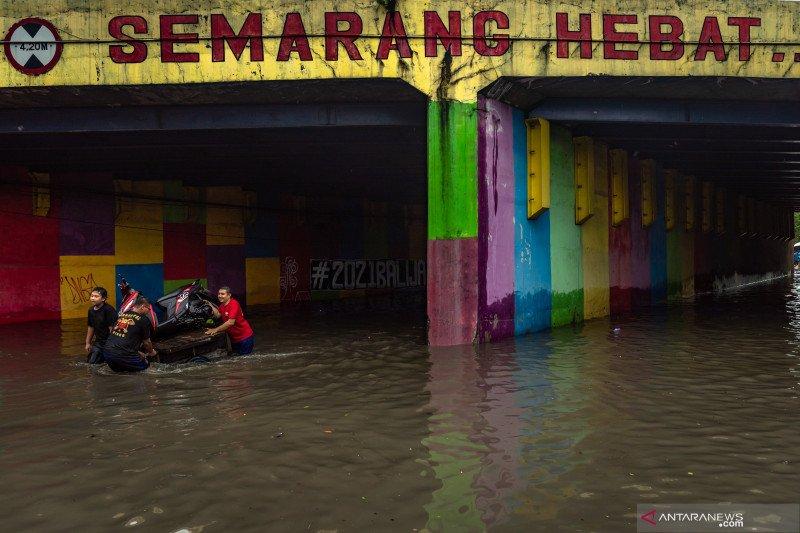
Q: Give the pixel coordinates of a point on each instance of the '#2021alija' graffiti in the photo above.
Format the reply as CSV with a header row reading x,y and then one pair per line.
x,y
328,274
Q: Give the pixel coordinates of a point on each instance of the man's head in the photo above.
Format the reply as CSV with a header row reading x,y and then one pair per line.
x,y
98,296
224,295
141,305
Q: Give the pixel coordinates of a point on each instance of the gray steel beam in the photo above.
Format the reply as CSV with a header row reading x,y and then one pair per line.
x,y
668,111
176,118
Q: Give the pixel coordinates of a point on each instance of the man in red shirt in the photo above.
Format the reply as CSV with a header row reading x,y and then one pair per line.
x,y
233,322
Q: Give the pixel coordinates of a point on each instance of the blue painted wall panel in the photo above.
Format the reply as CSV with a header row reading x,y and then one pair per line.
x,y
658,244
532,275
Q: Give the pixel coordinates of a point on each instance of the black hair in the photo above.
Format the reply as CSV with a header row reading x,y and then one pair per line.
x,y
226,289
102,292
141,300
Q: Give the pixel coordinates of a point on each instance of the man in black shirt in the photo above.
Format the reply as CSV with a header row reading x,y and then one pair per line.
x,y
131,332
101,319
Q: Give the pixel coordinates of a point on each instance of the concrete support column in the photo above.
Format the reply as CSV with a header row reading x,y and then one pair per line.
x,y
496,239
452,223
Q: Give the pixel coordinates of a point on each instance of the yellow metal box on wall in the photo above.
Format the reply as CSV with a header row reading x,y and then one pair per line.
x,y
619,187
538,166
648,179
584,178
688,192
707,194
670,178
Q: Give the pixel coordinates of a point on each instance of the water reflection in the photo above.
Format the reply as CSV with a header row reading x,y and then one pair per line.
x,y
350,423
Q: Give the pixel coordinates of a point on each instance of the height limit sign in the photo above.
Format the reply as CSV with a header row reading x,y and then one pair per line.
x,y
33,46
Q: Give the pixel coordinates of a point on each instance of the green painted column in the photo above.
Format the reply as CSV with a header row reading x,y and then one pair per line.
x,y
565,236
452,222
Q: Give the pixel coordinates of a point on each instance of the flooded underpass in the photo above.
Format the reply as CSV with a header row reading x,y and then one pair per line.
x,y
349,422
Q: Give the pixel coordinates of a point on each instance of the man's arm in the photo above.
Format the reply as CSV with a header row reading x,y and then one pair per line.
x,y
222,327
149,349
89,337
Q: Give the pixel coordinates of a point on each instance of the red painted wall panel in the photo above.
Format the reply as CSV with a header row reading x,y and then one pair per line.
x,y
184,250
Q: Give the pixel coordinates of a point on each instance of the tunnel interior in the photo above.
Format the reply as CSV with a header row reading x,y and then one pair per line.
x,y
308,195
602,195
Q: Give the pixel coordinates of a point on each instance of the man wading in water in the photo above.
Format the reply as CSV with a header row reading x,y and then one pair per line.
x,y
239,330
132,331
101,319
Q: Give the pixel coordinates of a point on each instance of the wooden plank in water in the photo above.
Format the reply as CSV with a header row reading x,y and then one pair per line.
x,y
184,346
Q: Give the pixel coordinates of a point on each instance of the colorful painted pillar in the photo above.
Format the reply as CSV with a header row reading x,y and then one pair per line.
x,y
452,223
640,239
594,241
565,236
495,220
658,243
533,275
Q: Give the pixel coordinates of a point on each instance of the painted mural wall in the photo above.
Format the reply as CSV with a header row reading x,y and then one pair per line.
x,y
94,230
550,271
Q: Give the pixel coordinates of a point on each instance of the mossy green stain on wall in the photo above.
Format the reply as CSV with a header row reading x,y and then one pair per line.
x,y
567,308
452,170
565,235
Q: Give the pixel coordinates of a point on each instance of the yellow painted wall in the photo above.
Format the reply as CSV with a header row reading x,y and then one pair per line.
x,y
138,230
594,240
78,275
224,215
263,280
532,20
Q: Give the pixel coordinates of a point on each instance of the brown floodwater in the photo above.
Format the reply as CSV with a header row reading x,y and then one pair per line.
x,y
347,421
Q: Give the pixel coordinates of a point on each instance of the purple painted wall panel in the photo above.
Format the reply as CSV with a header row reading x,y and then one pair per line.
x,y
225,265
87,214
495,220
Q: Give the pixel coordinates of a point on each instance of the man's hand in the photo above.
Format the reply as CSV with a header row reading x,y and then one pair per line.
x,y
212,331
88,347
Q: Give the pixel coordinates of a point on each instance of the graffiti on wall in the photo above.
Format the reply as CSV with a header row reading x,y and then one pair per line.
x,y
80,287
327,274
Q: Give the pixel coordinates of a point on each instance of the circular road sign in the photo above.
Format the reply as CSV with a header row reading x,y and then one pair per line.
x,y
33,46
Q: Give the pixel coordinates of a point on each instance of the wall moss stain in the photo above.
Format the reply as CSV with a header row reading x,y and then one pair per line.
x,y
567,308
452,170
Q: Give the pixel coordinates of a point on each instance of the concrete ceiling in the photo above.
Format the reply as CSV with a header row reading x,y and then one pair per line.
x,y
743,134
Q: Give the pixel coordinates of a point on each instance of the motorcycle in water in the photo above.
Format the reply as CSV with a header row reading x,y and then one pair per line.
x,y
179,320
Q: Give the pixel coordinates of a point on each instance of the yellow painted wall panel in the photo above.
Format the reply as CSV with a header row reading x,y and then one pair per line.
x,y
670,184
594,241
706,206
263,280
618,182
78,274
584,178
139,227
648,198
225,215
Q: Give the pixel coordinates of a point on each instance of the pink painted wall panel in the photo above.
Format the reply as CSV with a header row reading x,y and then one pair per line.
x,y
452,291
